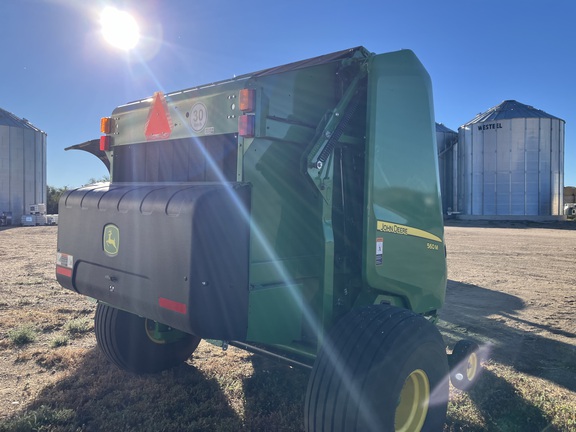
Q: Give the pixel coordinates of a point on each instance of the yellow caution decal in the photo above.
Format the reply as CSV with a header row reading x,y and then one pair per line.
x,y
393,228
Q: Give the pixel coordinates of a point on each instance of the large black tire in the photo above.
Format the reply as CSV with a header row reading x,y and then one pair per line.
x,y
123,338
381,368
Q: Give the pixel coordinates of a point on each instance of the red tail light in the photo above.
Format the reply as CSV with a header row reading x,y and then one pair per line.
x,y
246,126
105,143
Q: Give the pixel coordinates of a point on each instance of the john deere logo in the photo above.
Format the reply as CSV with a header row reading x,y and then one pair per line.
x,y
111,240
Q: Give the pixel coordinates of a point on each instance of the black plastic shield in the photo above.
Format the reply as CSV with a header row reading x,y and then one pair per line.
x,y
177,254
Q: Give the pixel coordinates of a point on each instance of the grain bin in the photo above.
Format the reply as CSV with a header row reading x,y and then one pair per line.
x,y
447,141
22,165
511,162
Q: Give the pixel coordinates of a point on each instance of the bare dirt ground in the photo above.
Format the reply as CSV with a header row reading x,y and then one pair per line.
x,y
515,290
511,288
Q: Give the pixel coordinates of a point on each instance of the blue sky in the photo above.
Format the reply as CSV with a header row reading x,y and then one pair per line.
x,y
59,73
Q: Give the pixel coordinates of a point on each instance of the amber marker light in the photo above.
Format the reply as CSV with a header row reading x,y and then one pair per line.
x,y
247,100
106,125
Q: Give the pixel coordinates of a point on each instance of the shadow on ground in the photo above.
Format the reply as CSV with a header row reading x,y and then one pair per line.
x,y
500,407
490,318
100,397
275,396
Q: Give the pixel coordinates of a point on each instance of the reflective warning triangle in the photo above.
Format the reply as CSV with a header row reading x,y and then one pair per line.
x,y
158,122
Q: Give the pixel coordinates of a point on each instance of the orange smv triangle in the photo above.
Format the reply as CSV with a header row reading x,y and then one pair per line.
x,y
158,123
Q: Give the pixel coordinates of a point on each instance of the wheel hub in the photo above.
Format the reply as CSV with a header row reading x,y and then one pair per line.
x,y
413,402
472,366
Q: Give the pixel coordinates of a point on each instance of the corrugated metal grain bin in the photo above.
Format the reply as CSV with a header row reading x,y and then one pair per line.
x,y
447,141
511,162
22,165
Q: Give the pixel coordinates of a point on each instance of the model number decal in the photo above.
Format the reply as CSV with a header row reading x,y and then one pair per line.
x,y
431,246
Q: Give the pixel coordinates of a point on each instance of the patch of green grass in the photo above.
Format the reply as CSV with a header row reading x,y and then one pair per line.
x,y
59,341
42,419
22,335
78,326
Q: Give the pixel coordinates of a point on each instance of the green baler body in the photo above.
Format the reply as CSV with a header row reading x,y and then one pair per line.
x,y
344,206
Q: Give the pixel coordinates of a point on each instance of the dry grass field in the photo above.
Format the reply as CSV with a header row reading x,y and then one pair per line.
x,y
511,289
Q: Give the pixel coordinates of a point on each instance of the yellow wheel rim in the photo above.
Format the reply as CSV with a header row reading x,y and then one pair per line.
x,y
149,326
472,366
413,403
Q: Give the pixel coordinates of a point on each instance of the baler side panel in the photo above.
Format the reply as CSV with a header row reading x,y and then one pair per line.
x,y
404,246
287,235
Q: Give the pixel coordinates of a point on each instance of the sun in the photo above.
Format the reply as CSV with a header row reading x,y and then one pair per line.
x,y
119,28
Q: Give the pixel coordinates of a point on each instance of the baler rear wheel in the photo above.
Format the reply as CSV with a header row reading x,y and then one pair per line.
x,y
124,339
381,368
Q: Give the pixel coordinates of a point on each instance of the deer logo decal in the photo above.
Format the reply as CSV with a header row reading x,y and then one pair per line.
x,y
111,240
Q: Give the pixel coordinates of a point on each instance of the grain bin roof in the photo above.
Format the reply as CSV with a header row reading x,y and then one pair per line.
x,y
9,119
441,128
510,109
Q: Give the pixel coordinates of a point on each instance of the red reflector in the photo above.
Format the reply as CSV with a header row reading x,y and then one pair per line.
x,y
246,126
172,305
158,123
247,99
64,271
105,143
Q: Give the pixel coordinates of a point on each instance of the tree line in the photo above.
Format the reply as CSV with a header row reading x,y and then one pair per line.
x,y
53,194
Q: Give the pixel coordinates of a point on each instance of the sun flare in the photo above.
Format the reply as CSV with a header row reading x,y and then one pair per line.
x,y
119,28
